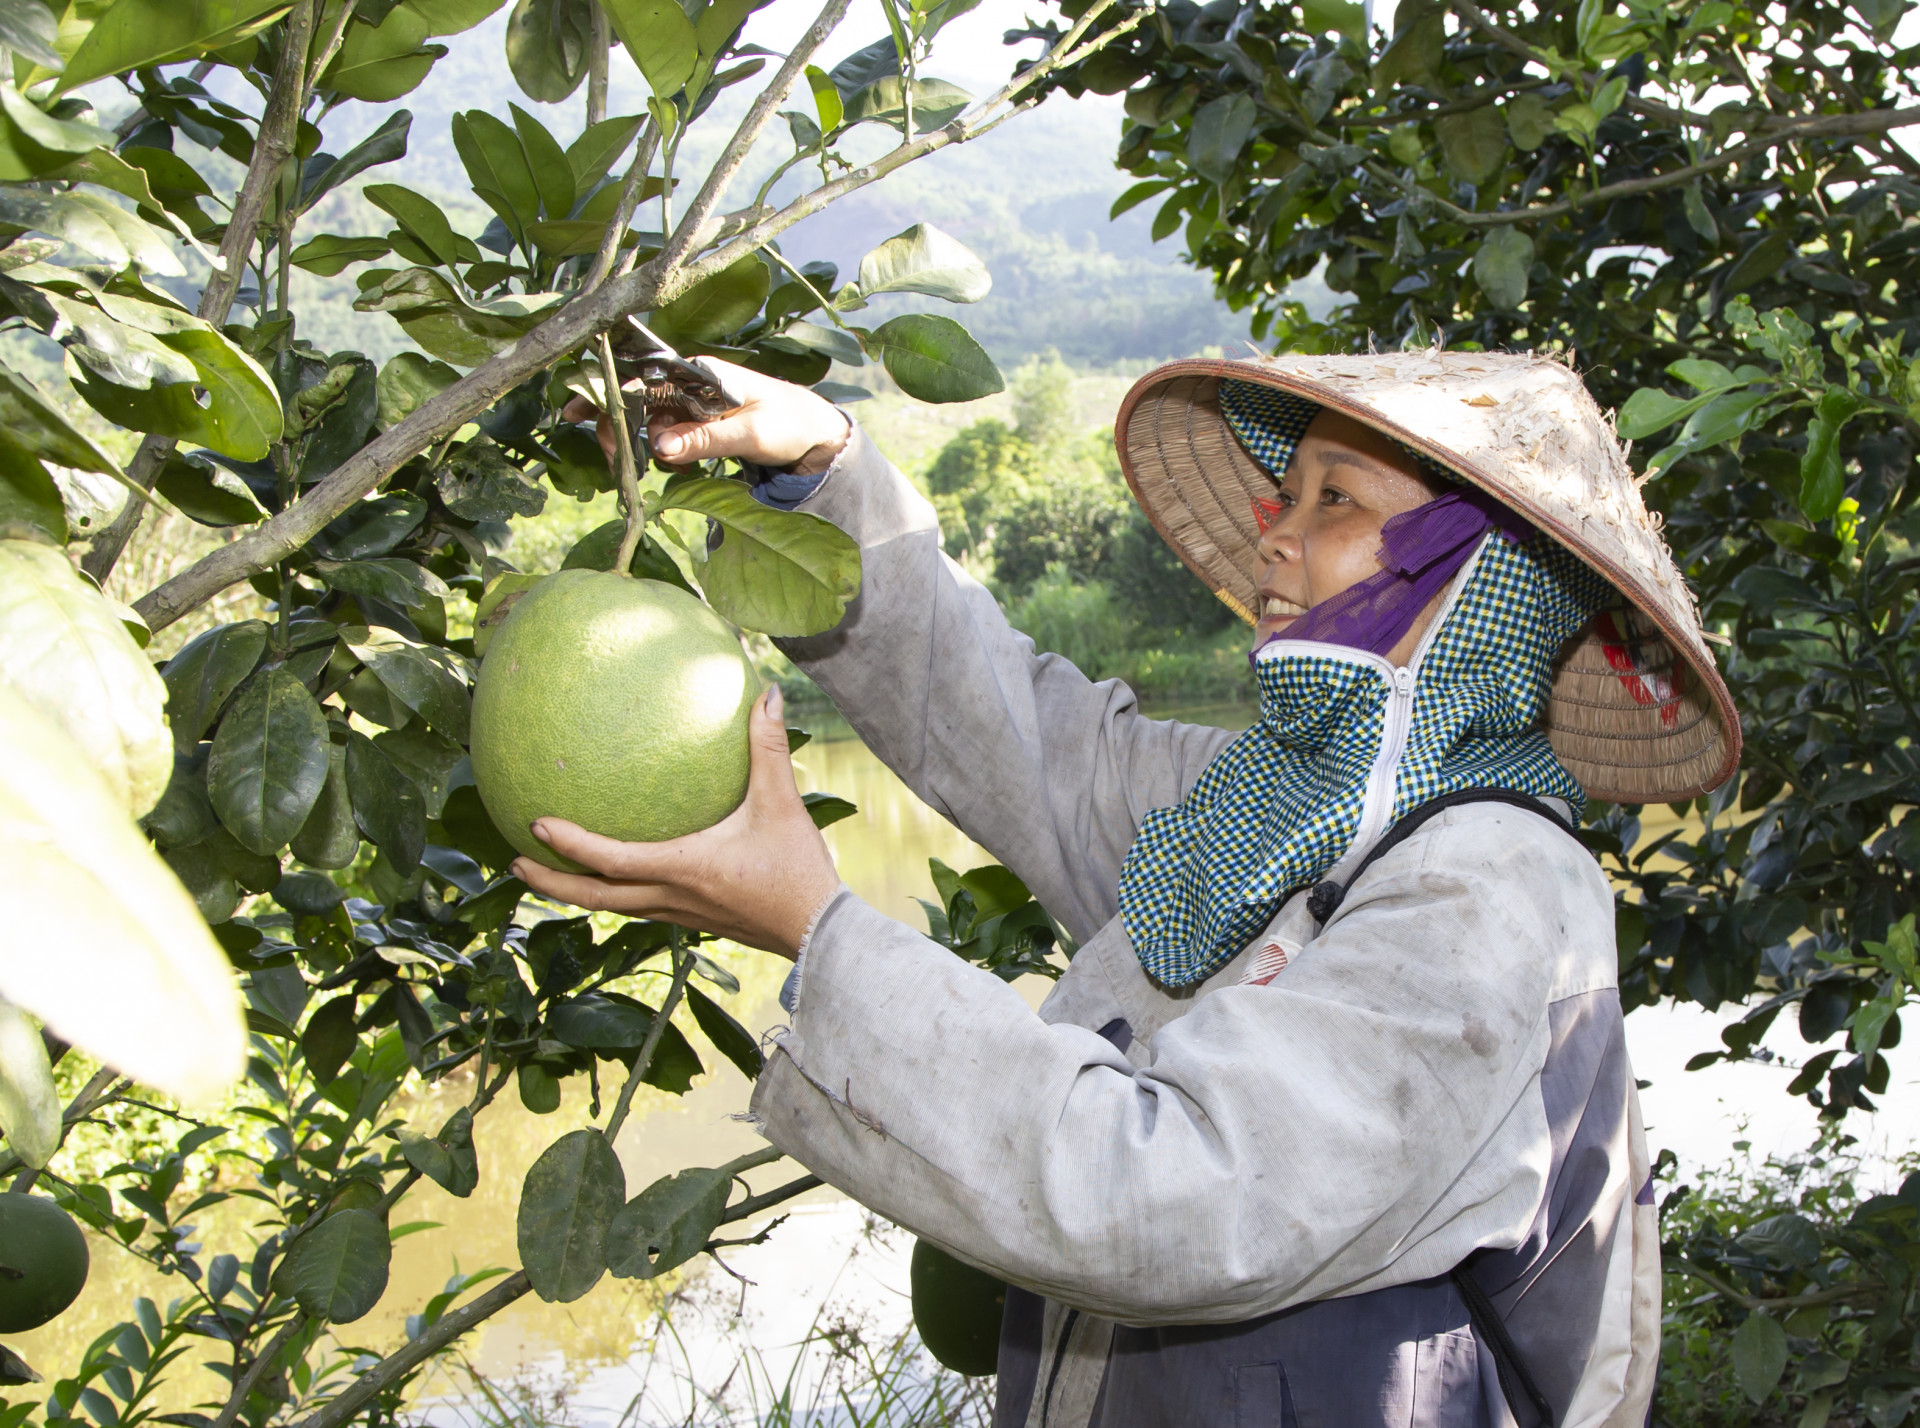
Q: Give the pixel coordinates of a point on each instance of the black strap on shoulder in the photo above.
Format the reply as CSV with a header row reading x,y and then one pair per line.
x,y
1325,898
1491,1330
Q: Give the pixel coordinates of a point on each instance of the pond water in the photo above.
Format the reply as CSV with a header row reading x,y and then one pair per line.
x,y
613,1356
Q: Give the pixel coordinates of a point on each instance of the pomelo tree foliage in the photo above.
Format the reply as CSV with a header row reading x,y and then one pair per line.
x,y
1707,207
309,838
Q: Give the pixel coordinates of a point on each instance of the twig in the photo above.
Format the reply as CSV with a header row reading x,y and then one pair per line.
x,y
748,134
623,210
681,972
598,40
91,1096
257,1370
327,52
1719,1286
754,1204
279,124
402,1361
616,409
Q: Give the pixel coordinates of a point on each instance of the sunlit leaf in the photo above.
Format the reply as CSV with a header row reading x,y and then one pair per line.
x,y
782,572
934,359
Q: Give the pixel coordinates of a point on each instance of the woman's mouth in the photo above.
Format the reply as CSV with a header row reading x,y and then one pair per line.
x,y
1276,608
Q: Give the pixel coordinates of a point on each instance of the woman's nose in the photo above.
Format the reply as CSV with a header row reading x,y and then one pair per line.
x,y
1280,540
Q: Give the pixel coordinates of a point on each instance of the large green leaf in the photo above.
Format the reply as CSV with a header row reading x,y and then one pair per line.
x,y
383,146
1759,1355
592,154
448,1159
203,675
377,63
330,838
1501,264
593,1022
64,650
1220,131
426,679
36,424
780,572
729,1038
547,46
338,1269
329,254
406,383
386,805
935,102
94,225
207,493
133,33
497,166
268,762
370,527
570,1195
34,144
1474,144
29,497
330,1038
934,359
31,31
423,221
660,37
551,172
83,881
241,417
925,260
716,305
666,1224
434,315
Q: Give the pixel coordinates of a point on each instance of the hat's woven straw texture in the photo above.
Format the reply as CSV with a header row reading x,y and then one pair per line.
x,y
1639,713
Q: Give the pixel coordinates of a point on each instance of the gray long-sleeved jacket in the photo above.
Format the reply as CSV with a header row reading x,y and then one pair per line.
x,y
1436,1076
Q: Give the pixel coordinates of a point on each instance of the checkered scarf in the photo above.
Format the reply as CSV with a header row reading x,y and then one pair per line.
x,y
1280,805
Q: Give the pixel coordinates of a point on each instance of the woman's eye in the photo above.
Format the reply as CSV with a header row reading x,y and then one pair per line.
x,y
1331,497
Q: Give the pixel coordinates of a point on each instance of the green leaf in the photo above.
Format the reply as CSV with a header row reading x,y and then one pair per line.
x,y
600,547
204,674
729,1038
421,676
827,103
780,572
34,144
330,838
1529,122
539,1091
590,156
268,762
925,260
422,220
495,162
406,383
1474,144
338,1269
1501,266
329,254
403,583
666,1224
1789,1240
1345,16
28,494
206,493
94,225
31,32
569,1197
30,1105
1221,128
64,650
330,1038
465,819
34,423
547,46
826,810
593,1022
387,807
661,39
934,359
377,63
448,1159
241,417
1650,410
935,102
433,314
383,146
133,33
716,305
1759,1355
479,483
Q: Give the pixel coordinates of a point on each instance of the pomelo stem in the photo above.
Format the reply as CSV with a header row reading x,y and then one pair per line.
x,y
629,471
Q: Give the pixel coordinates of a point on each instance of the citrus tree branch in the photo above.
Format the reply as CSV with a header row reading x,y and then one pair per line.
x,y
279,125
404,1360
644,288
257,1370
748,134
682,970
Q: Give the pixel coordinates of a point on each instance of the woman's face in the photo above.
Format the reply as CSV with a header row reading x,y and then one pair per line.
x,y
1345,482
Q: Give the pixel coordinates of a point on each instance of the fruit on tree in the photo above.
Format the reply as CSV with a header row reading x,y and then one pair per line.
x,y
618,704
956,1309
43,1261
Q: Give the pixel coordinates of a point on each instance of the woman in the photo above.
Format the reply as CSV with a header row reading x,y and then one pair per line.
x,y
1330,1121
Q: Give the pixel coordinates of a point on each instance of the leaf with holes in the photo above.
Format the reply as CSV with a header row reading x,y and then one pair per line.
x,y
665,1225
570,1196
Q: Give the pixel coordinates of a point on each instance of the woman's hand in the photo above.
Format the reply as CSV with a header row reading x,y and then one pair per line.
x,y
776,424
757,876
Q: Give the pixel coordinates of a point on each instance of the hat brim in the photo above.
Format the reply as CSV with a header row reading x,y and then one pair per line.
x,y
1638,711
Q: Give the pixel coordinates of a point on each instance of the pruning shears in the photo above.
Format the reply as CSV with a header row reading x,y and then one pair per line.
x,y
658,378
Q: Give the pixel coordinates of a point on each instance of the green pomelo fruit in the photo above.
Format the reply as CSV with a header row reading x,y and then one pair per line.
x,y
615,703
43,1261
956,1309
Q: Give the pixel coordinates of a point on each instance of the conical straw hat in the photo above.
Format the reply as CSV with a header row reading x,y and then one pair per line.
x,y
1639,712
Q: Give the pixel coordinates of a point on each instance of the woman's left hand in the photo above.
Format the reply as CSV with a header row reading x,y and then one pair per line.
x,y
757,876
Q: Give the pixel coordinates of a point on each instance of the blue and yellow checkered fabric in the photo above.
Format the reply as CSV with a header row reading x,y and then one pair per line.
x,y
1281,804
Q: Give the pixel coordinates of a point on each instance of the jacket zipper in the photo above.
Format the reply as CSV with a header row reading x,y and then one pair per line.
x,y
1378,806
